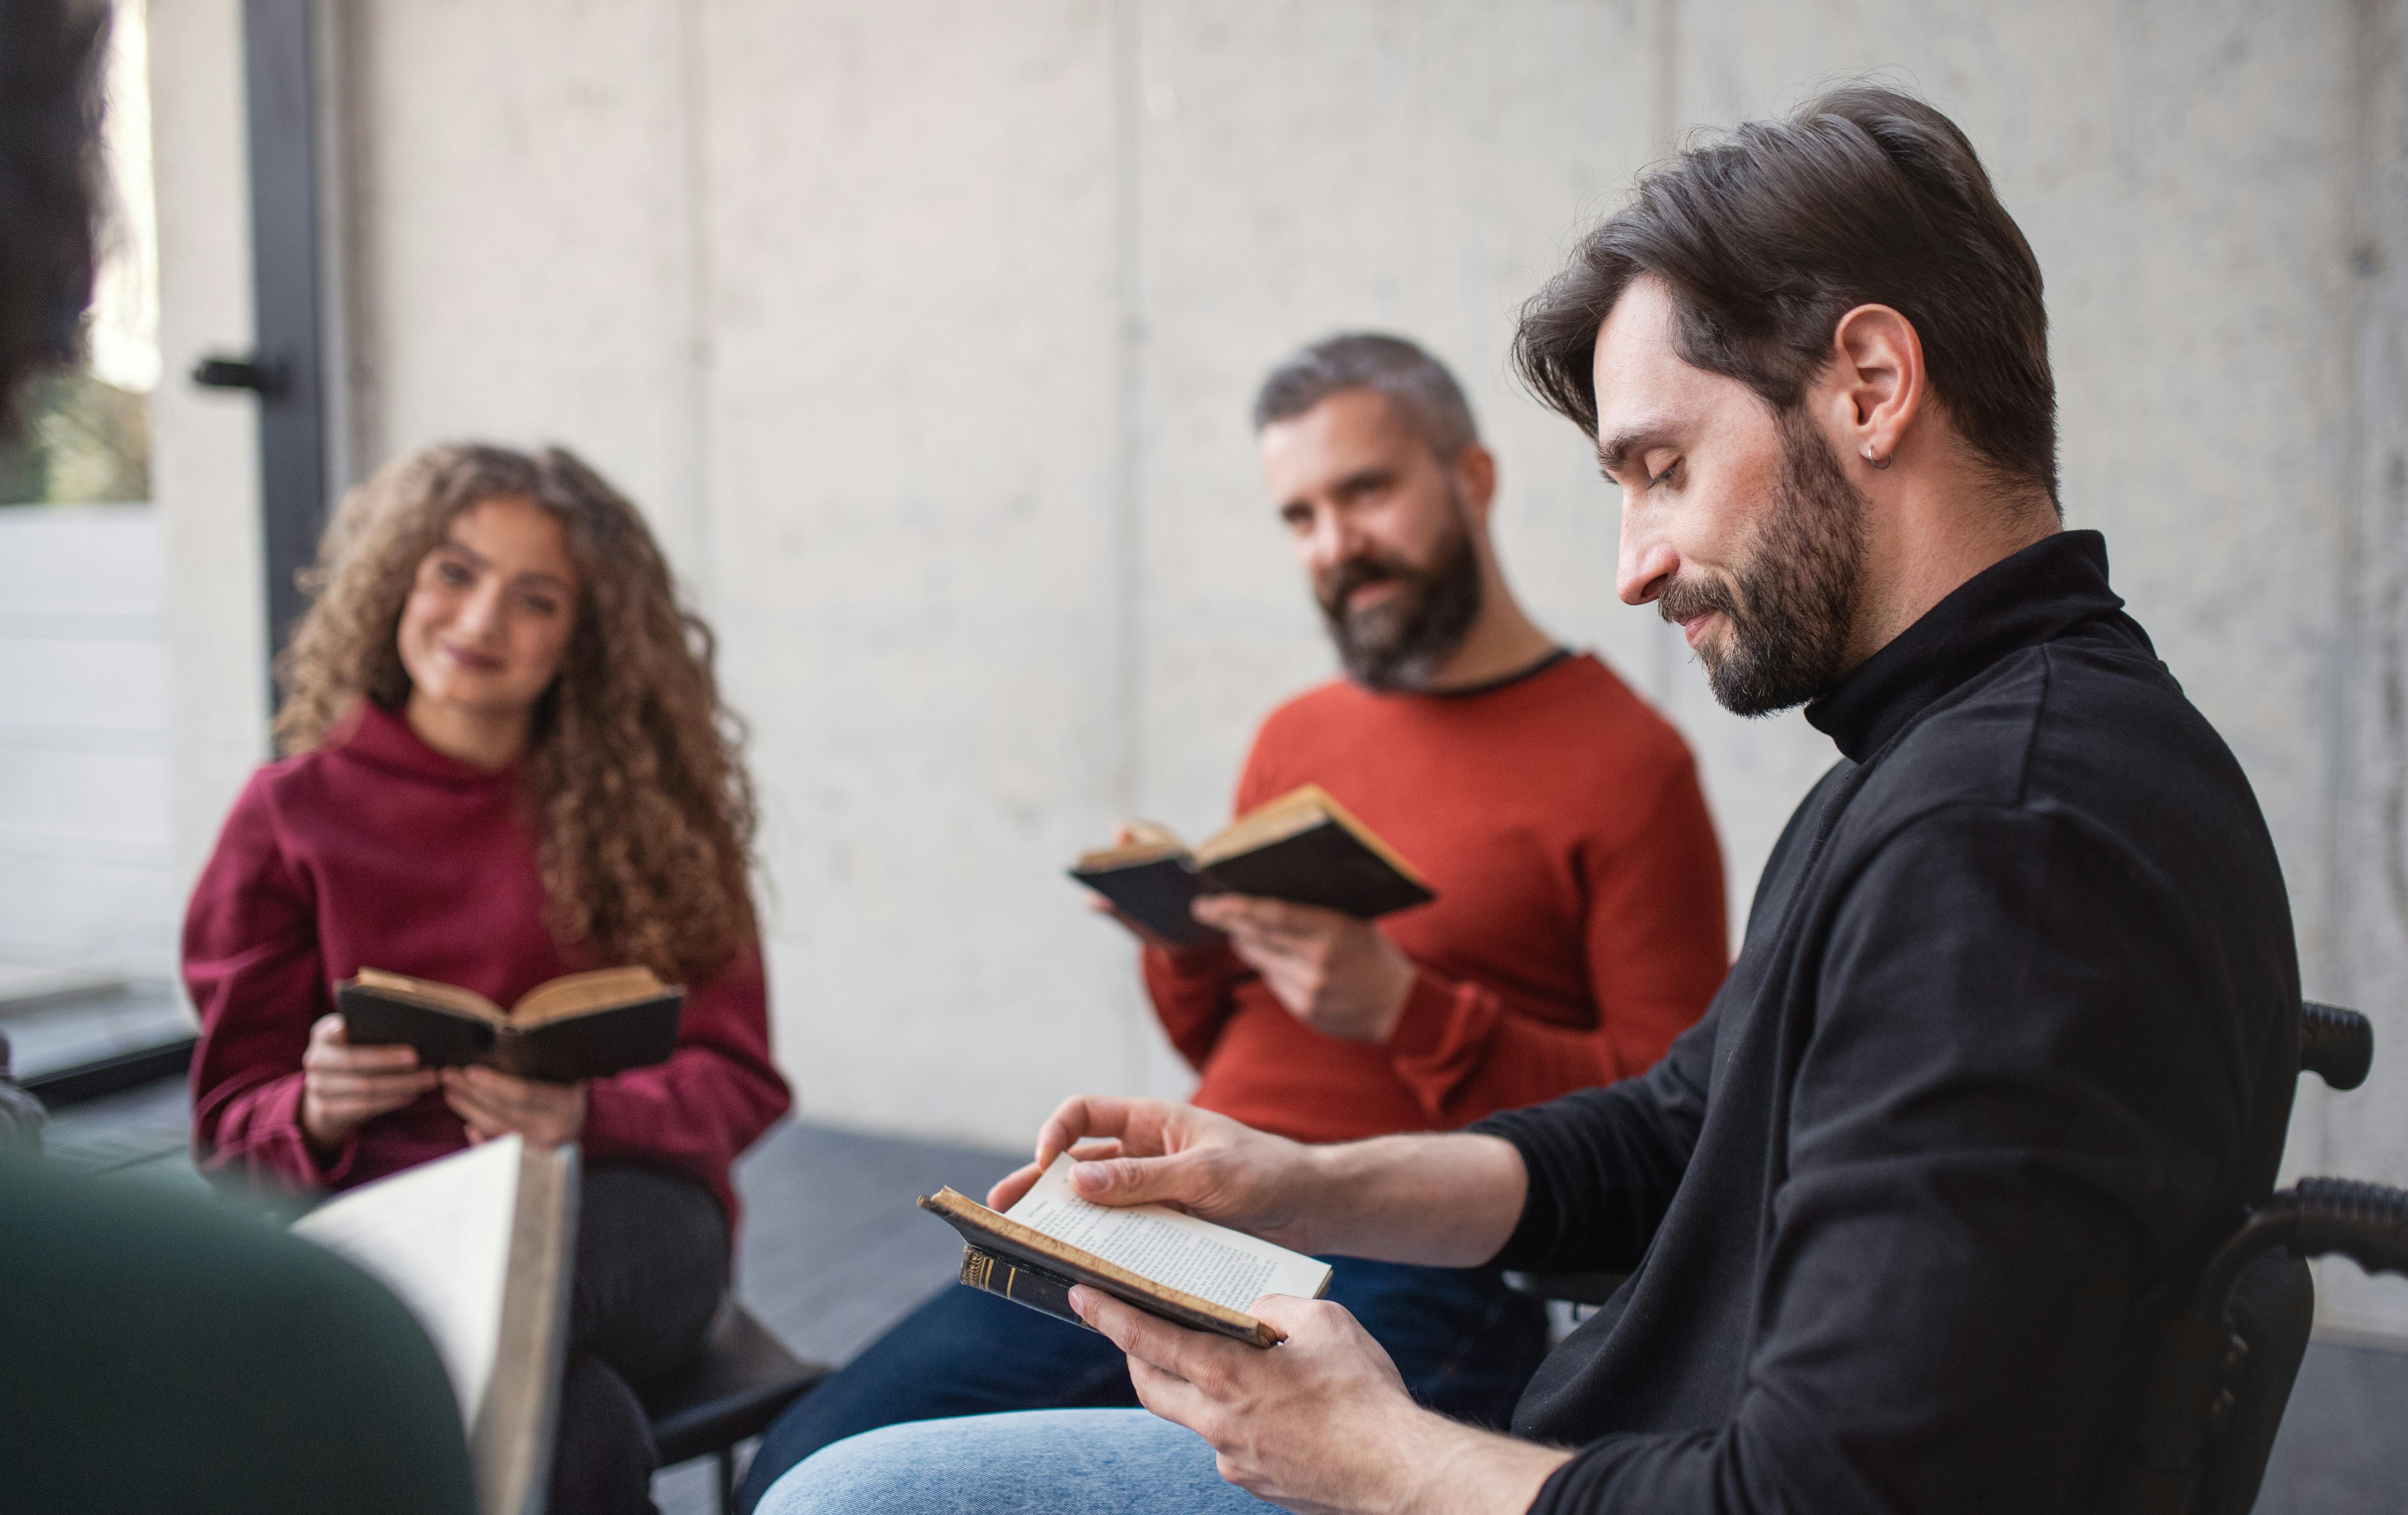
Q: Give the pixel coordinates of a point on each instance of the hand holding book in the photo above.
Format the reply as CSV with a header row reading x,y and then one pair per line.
x,y
1303,847
565,1030
1294,885
343,1086
1164,1262
1341,975
1131,1151
492,1103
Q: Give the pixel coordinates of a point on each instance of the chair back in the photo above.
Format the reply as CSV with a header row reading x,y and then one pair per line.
x,y
2212,1395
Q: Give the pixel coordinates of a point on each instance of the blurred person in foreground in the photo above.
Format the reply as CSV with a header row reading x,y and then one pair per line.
x,y
1578,929
508,761
2012,1039
157,1352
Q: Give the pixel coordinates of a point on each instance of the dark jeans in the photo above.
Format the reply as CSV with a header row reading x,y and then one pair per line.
x,y
1464,1344
652,1268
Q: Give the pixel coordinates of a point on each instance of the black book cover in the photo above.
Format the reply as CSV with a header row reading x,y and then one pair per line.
x,y
1020,1282
569,1050
1157,895
1325,865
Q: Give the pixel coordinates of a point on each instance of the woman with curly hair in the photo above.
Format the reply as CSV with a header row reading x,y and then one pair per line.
x,y
505,760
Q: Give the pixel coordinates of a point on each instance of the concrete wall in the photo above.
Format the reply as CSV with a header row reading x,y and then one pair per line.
x,y
925,332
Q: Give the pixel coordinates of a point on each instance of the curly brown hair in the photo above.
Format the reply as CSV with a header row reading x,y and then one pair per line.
x,y
634,767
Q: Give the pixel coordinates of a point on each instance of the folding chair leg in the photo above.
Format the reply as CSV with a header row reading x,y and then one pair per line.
x,y
725,1458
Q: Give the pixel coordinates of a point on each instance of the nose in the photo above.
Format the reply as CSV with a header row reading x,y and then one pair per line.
x,y
481,614
1647,563
1335,539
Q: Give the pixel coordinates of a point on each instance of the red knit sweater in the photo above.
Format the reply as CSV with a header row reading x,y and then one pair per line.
x,y
378,852
1578,929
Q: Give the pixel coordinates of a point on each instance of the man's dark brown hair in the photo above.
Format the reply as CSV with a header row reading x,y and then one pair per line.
x,y
1767,237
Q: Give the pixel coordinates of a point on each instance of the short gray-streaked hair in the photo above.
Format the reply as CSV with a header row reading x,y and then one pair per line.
x,y
1425,393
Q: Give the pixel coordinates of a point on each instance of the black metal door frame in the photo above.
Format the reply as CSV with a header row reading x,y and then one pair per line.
x,y
287,367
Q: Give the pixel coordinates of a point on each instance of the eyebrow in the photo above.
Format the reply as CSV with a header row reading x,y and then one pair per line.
x,y
480,561
1613,453
1370,473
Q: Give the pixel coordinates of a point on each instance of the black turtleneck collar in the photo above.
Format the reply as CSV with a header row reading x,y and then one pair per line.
x,y
2016,603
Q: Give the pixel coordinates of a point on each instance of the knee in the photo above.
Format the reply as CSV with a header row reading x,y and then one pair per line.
x,y
888,1469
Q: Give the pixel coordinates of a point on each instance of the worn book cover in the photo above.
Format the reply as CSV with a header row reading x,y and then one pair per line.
x,y
1173,1265
1303,847
577,1027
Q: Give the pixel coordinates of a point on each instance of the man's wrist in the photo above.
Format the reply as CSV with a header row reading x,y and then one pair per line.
x,y
1457,1469
1441,1199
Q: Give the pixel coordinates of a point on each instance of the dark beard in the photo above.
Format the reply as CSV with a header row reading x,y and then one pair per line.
x,y
1797,593
1399,644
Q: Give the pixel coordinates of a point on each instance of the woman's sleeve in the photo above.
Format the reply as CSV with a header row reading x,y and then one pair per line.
x,y
716,1094
252,967
1656,951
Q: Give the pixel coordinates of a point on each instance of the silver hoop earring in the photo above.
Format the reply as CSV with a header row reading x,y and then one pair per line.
x,y
1876,462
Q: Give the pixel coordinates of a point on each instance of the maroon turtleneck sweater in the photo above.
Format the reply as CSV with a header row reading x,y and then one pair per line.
x,y
376,851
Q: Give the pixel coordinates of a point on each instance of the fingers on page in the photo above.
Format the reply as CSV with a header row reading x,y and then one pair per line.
x,y
1078,1118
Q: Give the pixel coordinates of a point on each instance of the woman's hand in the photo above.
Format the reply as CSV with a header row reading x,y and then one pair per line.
x,y
343,1086
496,1105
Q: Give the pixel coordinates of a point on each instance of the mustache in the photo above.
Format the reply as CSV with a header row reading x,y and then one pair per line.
x,y
1354,573
1684,598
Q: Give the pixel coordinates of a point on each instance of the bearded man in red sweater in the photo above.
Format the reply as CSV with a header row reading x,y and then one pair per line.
x,y
1578,929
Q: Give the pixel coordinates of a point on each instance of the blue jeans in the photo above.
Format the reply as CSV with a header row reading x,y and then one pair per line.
x,y
1464,1344
1083,1461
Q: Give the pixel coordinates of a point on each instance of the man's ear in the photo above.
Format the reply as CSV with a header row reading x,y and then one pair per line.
x,y
1475,473
1877,382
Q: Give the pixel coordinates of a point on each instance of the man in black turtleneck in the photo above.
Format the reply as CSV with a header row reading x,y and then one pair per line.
x,y
2011,1039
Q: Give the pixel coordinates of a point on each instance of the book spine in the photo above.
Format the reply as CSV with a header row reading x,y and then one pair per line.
x,y
1020,1283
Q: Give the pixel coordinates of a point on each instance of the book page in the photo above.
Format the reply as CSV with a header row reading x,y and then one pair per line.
x,y
1298,810
428,992
1228,1267
573,994
438,1236
1147,843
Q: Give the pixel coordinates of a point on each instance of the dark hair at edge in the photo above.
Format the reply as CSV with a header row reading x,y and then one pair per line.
x,y
50,184
1767,235
1418,384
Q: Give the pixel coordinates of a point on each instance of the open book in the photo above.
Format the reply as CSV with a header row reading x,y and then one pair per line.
x,y
479,1246
1303,847
1162,1261
578,1026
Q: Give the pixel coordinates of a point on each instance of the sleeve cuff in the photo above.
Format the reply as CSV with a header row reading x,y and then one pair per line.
x,y
280,1114
1207,960
1534,1230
